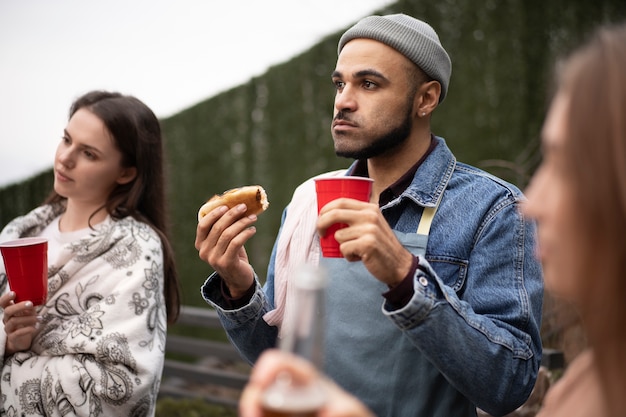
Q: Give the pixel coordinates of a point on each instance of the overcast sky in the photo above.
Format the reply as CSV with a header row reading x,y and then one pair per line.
x,y
171,54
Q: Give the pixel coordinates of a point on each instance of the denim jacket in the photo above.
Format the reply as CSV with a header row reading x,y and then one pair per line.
x,y
476,311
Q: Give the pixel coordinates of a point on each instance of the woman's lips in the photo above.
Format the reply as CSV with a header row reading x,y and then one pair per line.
x,y
62,177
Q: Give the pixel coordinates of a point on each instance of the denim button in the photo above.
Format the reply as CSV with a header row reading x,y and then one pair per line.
x,y
423,281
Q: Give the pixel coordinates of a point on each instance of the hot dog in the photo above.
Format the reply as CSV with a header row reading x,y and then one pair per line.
x,y
253,196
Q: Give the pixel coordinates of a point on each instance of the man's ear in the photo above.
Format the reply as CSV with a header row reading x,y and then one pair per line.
x,y
427,98
127,175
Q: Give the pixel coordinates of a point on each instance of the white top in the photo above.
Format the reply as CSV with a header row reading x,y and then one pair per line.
x,y
58,239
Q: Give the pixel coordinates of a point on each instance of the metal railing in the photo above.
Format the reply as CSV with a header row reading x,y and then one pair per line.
x,y
215,371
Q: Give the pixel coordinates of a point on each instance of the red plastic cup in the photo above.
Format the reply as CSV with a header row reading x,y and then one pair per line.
x,y
329,189
26,264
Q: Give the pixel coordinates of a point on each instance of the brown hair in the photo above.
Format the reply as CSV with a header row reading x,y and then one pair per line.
x,y
594,79
137,134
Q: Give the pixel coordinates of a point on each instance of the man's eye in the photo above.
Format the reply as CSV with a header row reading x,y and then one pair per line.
x,y
368,84
339,84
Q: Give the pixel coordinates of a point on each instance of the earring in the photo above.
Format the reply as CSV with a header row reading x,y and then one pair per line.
x,y
423,114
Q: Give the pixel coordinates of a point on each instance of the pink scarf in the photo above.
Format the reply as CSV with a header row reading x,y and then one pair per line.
x,y
298,244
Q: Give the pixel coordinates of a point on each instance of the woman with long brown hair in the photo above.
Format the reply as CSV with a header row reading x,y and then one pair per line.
x,y
96,346
578,197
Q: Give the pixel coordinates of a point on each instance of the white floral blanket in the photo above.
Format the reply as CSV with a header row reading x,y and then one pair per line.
x,y
100,348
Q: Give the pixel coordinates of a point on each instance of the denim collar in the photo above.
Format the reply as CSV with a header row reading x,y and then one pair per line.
x,y
431,178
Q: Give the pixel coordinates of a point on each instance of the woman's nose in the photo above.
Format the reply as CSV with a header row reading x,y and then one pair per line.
x,y
65,157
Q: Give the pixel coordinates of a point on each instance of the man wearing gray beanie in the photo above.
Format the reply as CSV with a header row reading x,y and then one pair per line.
x,y
434,301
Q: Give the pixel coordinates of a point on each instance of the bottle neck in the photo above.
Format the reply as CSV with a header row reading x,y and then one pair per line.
x,y
305,326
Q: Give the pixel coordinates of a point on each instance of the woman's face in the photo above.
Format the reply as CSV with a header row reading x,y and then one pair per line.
x,y
550,203
87,164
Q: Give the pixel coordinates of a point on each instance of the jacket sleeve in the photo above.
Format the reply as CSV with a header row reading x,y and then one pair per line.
x,y
485,338
245,327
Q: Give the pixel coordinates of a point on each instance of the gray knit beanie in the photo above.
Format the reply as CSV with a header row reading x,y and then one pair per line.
x,y
412,38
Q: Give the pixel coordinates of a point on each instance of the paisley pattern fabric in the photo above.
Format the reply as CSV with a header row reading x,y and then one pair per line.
x,y
101,344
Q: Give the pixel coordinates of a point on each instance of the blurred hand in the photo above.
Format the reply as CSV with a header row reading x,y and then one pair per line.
x,y
368,238
220,237
274,362
20,323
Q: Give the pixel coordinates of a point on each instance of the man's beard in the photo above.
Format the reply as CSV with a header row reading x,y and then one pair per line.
x,y
388,141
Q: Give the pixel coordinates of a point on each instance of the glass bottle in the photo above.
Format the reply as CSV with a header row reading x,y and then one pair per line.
x,y
303,335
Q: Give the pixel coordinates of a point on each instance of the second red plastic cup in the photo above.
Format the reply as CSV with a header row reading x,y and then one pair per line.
x,y
26,264
328,189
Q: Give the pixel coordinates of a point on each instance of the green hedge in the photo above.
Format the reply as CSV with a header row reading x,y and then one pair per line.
x,y
274,129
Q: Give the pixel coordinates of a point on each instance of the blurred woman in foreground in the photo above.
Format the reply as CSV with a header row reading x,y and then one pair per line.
x,y
578,197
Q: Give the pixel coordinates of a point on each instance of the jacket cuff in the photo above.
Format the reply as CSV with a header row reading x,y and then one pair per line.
x,y
400,295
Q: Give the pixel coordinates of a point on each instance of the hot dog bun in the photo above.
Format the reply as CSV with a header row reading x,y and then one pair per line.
x,y
253,196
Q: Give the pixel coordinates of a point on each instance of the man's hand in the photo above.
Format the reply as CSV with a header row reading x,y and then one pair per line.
x,y
367,238
220,237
